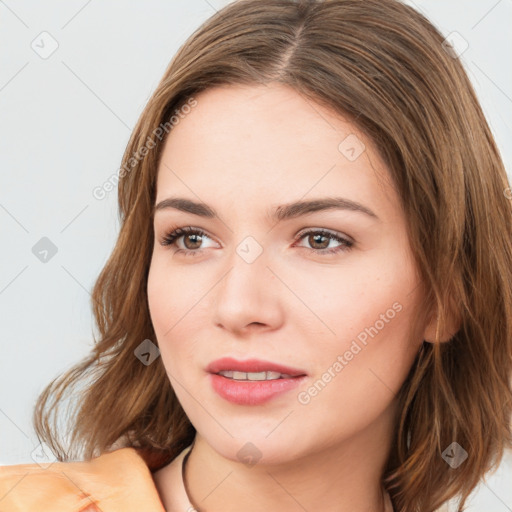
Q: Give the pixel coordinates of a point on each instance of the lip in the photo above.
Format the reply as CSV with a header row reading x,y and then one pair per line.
x,y
252,392
252,365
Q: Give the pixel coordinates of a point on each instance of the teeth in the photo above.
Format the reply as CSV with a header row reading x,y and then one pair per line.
x,y
231,374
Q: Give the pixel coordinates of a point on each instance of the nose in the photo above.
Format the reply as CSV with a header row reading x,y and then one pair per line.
x,y
248,297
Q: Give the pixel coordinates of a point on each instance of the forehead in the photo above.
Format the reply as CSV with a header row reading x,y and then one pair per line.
x,y
242,143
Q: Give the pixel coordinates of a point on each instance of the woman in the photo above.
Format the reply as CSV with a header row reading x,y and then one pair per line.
x,y
315,254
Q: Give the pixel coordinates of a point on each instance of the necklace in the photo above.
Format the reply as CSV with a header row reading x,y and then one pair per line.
x,y
194,508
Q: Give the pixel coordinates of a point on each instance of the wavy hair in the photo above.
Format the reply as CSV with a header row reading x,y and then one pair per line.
x,y
383,66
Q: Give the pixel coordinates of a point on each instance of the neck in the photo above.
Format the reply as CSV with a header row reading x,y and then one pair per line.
x,y
345,477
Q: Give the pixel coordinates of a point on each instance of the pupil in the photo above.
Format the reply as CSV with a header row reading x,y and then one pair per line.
x,y
315,237
197,241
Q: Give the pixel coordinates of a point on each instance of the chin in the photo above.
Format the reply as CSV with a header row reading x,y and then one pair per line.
x,y
252,448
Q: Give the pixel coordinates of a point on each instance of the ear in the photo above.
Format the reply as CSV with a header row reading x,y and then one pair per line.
x,y
453,324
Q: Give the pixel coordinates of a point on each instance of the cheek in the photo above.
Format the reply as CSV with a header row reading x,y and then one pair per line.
x,y
342,302
171,292
362,312
173,299
159,296
359,370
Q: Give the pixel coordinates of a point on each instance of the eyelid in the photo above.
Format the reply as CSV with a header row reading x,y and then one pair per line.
x,y
332,232
178,232
346,243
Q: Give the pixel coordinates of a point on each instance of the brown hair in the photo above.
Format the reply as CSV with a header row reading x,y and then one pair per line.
x,y
383,66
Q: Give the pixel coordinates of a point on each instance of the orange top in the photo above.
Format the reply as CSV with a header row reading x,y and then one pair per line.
x,y
115,481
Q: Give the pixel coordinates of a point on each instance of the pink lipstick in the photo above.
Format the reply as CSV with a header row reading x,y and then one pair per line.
x,y
253,381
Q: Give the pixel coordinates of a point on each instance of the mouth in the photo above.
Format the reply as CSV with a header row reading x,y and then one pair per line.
x,y
252,370
253,382
255,376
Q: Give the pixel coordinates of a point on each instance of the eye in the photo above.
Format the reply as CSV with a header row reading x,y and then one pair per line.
x,y
319,237
192,238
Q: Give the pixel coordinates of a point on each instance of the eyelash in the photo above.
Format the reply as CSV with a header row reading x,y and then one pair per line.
x,y
171,237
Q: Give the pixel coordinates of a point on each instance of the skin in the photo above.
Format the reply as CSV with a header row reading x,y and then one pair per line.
x,y
243,150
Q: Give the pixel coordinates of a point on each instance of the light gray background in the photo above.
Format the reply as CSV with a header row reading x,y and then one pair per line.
x,y
64,123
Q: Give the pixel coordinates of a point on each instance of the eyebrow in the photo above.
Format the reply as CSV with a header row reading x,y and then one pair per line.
x,y
277,213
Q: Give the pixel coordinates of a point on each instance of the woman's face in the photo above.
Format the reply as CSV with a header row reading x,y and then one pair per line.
x,y
257,285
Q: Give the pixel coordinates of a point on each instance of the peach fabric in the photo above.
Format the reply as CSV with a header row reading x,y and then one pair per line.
x,y
115,481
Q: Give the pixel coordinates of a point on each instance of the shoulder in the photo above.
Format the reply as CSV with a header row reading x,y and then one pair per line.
x,y
116,480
